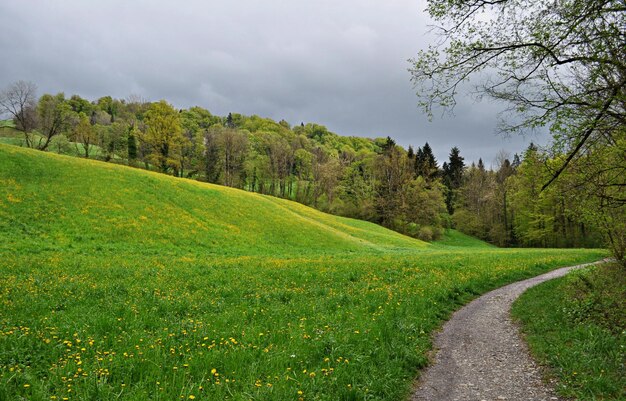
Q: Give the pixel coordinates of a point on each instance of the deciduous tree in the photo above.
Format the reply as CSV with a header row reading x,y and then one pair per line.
x,y
163,135
84,133
19,102
55,116
559,64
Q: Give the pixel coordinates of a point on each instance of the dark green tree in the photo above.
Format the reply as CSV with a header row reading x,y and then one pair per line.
x,y
516,161
230,123
80,105
389,145
425,163
453,177
132,144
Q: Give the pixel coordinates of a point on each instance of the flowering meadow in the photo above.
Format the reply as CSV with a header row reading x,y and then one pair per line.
x,y
120,284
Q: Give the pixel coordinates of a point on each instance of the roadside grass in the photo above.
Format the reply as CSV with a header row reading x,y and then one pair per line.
x,y
576,327
121,284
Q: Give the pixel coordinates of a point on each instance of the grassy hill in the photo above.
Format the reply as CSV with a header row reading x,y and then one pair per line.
x,y
121,284
55,202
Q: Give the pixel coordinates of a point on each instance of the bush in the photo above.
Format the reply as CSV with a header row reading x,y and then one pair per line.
x,y
425,233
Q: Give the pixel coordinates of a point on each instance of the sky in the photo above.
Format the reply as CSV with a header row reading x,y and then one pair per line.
x,y
340,63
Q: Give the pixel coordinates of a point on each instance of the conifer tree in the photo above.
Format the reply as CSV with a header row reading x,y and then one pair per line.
x,y
425,163
230,123
453,177
132,144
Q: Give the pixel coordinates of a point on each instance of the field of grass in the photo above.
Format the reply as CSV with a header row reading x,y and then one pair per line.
x,y
121,284
576,326
454,238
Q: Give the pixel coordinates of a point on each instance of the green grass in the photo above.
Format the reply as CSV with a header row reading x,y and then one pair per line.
x,y
121,284
10,136
454,238
8,133
7,124
9,140
576,326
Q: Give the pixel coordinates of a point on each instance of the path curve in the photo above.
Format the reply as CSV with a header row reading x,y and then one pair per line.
x,y
481,356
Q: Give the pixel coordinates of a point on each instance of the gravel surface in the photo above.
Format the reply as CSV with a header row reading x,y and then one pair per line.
x,y
481,356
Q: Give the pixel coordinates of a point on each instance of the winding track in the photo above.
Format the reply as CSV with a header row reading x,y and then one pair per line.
x,y
481,355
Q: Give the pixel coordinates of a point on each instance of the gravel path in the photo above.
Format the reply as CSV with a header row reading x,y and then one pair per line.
x,y
481,355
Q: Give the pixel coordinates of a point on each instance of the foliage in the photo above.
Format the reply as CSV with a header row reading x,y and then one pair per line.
x,y
508,208
576,325
370,179
453,177
425,163
598,181
55,117
556,64
84,133
117,283
163,136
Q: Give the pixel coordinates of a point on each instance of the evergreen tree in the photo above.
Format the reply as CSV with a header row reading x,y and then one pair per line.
x,y
418,162
230,123
410,153
425,163
132,144
453,177
389,145
516,161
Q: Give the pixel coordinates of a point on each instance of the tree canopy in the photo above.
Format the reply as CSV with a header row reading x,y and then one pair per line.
x,y
372,179
559,65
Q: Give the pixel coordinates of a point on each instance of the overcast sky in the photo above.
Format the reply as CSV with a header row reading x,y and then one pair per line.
x,y
339,63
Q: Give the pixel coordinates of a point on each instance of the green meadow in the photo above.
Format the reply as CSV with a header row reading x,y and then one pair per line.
x,y
122,284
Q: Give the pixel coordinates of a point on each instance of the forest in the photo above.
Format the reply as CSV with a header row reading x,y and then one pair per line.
x,y
377,180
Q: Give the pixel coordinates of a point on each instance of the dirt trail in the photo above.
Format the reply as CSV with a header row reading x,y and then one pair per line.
x,y
481,356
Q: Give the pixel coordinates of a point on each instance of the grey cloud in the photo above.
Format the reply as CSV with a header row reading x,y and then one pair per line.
x,y
340,64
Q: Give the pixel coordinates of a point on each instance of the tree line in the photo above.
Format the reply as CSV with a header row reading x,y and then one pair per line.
x,y
559,66
370,179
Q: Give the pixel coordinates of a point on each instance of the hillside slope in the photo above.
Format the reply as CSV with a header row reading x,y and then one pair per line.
x,y
50,202
454,238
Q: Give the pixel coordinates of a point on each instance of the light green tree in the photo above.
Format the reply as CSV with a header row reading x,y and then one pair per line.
x,y
163,136
54,116
83,133
557,64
